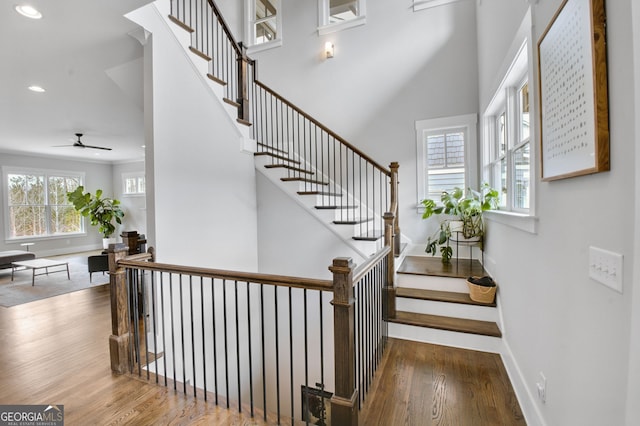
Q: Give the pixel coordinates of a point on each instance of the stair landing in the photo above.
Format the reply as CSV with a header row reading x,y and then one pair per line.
x,y
433,266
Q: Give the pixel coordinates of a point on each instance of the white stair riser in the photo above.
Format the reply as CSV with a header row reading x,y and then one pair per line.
x,y
446,309
424,282
446,338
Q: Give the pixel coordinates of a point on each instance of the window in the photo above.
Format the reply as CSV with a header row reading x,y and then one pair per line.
x,y
37,204
444,148
426,4
336,15
133,184
263,24
507,147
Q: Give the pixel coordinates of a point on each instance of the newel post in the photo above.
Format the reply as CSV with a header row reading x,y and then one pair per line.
x,y
344,403
394,166
389,307
119,339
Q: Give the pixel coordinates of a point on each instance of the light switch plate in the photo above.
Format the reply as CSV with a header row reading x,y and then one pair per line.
x,y
606,267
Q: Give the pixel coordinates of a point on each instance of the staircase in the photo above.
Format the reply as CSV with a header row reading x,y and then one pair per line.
x,y
347,191
433,304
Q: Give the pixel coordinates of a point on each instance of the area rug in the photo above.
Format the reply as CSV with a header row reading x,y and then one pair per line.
x,y
21,291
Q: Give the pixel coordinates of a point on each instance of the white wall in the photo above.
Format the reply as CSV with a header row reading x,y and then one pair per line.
x,y
401,66
633,394
557,320
291,241
204,198
97,176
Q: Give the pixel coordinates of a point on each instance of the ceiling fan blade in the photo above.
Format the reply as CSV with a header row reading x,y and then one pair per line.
x,y
96,147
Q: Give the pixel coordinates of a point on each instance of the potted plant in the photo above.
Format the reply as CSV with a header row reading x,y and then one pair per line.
x,y
101,211
465,216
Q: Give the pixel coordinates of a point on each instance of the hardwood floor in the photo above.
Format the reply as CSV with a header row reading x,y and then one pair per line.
x,y
55,351
423,384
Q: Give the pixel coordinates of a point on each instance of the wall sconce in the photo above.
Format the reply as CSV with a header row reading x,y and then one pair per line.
x,y
328,49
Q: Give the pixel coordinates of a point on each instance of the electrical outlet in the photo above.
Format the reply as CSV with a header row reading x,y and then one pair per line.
x,y
542,388
606,267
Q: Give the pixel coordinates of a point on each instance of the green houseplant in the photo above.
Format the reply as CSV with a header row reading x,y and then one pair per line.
x,y
464,207
101,211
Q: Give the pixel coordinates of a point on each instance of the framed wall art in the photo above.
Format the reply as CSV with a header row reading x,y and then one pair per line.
x,y
574,106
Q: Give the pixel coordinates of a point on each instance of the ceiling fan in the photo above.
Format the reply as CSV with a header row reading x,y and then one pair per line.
x,y
79,144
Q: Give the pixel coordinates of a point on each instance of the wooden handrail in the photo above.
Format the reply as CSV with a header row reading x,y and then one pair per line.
x,y
225,28
363,269
324,128
270,279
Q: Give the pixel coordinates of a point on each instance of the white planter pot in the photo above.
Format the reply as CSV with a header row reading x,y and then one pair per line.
x,y
107,241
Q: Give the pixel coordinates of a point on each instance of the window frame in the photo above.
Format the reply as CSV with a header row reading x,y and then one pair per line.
x,y
428,4
46,174
505,99
137,176
250,27
326,27
469,122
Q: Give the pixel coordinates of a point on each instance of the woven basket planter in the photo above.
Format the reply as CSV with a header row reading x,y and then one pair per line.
x,y
481,293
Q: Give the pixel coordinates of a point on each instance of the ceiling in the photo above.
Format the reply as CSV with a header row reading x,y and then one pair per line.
x,y
81,54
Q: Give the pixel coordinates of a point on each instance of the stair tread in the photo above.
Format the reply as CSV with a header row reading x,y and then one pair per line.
x,y
181,24
200,53
270,148
336,207
352,221
231,102
439,296
302,179
369,236
324,194
288,167
216,79
279,157
462,325
433,266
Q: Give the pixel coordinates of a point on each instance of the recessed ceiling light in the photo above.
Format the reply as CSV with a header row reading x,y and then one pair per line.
x,y
144,146
28,11
37,89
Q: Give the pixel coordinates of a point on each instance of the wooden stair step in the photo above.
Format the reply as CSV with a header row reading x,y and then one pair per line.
x,y
279,157
335,207
461,325
231,102
322,193
356,221
180,24
270,148
243,122
369,236
200,53
433,266
288,167
439,296
216,79
301,179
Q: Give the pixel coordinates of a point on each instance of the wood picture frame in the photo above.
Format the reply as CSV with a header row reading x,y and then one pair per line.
x,y
573,92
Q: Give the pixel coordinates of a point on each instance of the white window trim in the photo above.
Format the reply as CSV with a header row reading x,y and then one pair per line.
x,y
428,4
468,122
249,28
47,172
324,27
129,175
522,48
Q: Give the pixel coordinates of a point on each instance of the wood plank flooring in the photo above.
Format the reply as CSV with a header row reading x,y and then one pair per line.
x,y
422,384
55,351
